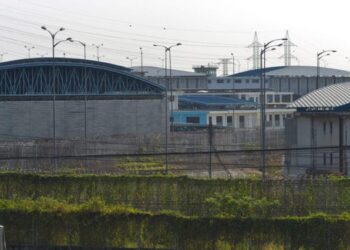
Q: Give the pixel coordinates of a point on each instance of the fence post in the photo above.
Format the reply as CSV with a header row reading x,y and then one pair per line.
x,y
2,238
210,138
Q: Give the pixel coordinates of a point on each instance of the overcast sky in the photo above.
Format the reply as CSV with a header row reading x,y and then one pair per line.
x,y
208,30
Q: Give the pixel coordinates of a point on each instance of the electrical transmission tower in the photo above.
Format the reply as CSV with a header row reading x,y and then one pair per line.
x,y
224,62
255,45
287,55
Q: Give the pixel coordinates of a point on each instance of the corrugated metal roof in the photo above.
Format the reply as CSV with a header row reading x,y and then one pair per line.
x,y
332,96
213,100
293,71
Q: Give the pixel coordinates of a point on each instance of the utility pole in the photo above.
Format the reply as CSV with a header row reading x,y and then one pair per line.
x,y
288,56
255,45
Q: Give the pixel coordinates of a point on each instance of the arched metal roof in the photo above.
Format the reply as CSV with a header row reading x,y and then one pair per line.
x,y
38,76
280,71
335,97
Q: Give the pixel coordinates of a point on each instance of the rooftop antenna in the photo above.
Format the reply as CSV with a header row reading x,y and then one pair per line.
x,y
255,45
287,55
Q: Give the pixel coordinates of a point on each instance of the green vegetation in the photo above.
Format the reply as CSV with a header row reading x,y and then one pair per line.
x,y
141,165
175,212
227,205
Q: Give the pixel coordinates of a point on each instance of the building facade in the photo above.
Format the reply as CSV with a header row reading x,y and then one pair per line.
x,y
299,80
180,80
223,111
320,132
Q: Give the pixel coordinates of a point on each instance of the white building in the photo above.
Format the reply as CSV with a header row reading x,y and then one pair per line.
x,y
299,80
320,132
245,118
181,80
224,111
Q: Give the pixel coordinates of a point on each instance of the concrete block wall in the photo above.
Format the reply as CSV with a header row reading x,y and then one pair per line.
x,y
34,119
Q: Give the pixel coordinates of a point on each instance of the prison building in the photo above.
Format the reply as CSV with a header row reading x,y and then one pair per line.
x,y
321,124
180,80
299,80
223,111
72,98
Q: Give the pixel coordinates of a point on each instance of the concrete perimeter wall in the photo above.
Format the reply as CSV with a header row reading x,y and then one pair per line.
x,y
23,119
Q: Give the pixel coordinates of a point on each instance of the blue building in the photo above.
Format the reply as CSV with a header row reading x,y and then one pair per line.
x,y
199,110
199,117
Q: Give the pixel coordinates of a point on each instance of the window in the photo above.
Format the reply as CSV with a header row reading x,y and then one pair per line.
x,y
209,81
324,127
324,158
243,97
269,121
241,121
331,159
277,98
247,81
192,119
286,98
255,81
277,121
269,98
228,80
219,80
238,80
229,120
331,127
210,120
283,120
219,120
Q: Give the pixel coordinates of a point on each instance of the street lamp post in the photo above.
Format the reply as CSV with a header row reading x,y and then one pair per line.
x,y
29,48
320,55
166,49
267,47
85,95
131,59
97,46
54,44
141,54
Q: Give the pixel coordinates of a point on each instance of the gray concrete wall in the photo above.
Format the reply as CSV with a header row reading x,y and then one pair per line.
x,y
313,130
34,119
